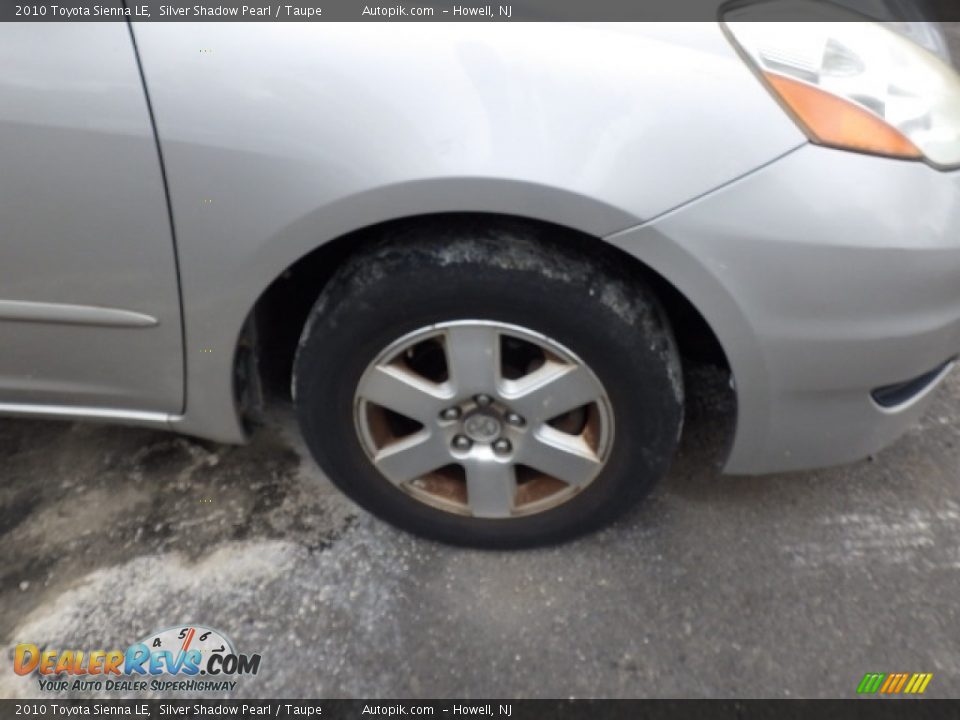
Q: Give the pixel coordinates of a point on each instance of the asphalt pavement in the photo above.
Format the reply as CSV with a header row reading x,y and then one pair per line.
x,y
784,586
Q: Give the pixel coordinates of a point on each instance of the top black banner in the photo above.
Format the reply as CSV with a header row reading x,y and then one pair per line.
x,y
475,10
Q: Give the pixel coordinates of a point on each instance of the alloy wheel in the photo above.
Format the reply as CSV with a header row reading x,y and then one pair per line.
x,y
483,419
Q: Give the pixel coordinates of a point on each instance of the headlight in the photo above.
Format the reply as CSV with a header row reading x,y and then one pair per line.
x,y
859,86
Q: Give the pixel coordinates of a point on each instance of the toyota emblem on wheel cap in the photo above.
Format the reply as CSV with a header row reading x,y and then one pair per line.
x,y
482,427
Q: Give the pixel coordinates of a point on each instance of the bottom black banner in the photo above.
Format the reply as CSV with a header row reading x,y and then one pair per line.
x,y
504,710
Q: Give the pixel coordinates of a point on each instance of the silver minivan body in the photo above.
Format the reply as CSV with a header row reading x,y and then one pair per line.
x,y
823,274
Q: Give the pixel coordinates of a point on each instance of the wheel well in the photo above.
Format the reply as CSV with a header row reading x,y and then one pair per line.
x,y
282,309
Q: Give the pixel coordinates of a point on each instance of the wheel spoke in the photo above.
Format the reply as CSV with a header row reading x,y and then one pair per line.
x,y
473,358
565,457
403,392
491,487
412,457
552,390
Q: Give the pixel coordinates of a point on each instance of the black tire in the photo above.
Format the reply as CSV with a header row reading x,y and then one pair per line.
x,y
439,273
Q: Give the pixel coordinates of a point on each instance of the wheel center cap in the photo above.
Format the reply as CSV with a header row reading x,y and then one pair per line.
x,y
482,427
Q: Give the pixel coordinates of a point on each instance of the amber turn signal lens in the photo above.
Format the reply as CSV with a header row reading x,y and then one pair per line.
x,y
834,121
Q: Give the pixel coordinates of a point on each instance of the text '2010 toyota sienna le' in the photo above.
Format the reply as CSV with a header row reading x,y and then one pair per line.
x,y
492,242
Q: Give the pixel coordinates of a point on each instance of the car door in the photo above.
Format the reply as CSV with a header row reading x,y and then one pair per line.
x,y
89,303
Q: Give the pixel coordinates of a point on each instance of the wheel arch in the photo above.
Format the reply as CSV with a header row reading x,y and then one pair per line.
x,y
281,311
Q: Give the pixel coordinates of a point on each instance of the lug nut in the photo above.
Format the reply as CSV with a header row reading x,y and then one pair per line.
x,y
451,413
462,443
483,400
502,446
515,420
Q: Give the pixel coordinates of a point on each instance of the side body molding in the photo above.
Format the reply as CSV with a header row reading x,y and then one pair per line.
x,y
67,314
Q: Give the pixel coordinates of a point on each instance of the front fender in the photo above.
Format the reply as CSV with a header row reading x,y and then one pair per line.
x,y
279,137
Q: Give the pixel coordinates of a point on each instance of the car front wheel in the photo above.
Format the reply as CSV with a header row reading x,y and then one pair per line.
x,y
488,389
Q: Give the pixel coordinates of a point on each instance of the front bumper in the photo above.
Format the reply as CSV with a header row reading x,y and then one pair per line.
x,y
825,275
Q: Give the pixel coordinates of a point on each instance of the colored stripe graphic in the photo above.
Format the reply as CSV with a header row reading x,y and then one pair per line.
x,y
894,683
187,640
890,682
901,680
913,684
870,683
